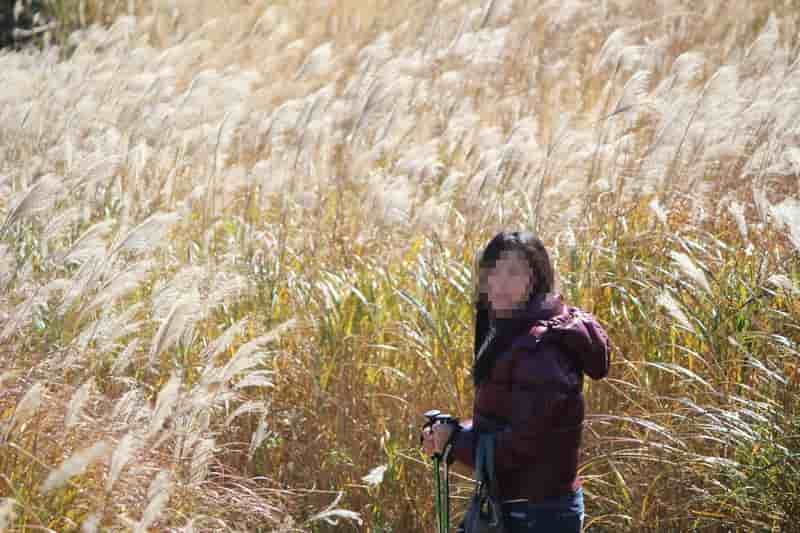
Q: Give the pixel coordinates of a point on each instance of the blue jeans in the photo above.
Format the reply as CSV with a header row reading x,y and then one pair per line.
x,y
563,514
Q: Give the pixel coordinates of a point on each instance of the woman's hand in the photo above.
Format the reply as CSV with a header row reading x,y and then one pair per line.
x,y
434,438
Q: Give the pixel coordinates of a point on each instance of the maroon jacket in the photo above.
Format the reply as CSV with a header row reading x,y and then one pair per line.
x,y
533,397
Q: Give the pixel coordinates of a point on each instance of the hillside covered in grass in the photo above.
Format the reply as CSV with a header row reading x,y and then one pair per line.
x,y
237,245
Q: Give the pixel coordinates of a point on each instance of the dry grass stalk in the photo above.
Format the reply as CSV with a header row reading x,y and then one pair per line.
x,y
176,186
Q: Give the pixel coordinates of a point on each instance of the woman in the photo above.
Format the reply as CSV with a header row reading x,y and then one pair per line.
x,y
531,352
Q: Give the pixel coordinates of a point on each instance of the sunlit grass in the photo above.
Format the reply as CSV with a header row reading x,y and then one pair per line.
x,y
236,255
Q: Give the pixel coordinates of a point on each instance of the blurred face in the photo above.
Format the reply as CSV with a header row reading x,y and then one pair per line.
x,y
509,282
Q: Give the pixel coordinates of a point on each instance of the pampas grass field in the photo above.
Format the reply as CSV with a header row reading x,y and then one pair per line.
x,y
237,242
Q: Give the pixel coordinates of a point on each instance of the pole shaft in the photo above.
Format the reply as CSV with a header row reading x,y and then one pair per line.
x,y
446,502
437,490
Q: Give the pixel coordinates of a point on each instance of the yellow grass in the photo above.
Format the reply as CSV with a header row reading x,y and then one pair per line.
x,y
237,242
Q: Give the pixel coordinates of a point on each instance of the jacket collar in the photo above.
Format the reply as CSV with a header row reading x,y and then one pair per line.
x,y
538,307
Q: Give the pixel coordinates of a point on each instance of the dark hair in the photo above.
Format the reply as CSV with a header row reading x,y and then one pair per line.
x,y
533,250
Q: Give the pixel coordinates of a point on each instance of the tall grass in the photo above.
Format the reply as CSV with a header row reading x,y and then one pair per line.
x,y
237,244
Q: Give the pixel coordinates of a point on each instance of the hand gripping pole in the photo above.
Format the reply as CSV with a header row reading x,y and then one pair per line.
x,y
441,486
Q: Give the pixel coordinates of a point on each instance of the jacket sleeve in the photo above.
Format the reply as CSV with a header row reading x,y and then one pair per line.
x,y
586,340
464,443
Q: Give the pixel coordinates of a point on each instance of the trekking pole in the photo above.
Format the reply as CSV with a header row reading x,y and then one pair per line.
x,y
437,487
446,419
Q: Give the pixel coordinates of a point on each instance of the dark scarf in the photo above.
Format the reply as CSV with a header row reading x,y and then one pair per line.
x,y
494,335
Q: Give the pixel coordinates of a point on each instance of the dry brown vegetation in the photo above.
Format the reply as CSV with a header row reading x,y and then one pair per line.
x,y
236,246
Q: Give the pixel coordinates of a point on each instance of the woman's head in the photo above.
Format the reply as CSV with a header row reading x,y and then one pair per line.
x,y
512,268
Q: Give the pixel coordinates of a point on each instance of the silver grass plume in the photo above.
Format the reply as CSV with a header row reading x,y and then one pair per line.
x,y
90,245
167,398
124,358
77,402
108,328
634,91
7,512
8,375
787,215
147,234
226,287
609,53
131,407
121,284
765,44
248,355
23,312
331,513
119,458
184,313
737,212
257,438
221,343
194,425
691,270
38,197
669,303
760,200
658,210
7,265
86,276
375,476
252,406
56,225
26,407
201,457
259,378
158,495
90,524
688,66
165,293
784,282
75,465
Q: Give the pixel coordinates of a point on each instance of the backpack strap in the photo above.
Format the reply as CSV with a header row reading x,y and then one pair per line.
x,y
492,513
484,461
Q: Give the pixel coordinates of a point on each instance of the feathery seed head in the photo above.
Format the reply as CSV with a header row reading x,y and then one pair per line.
x,y
165,403
178,325
91,524
737,212
691,270
375,476
787,215
659,211
38,197
7,512
158,494
77,402
146,235
609,54
201,458
124,451
75,465
27,406
669,303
